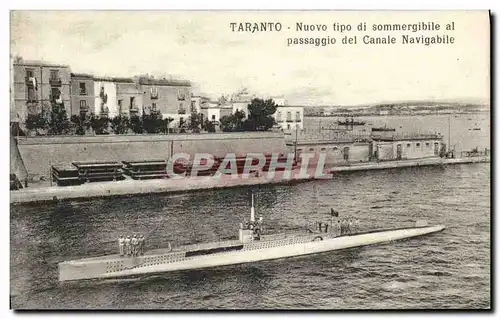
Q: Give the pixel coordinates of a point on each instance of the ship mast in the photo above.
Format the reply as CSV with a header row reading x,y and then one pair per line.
x,y
252,212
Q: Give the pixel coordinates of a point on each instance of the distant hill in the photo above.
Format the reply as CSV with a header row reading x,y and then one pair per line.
x,y
399,108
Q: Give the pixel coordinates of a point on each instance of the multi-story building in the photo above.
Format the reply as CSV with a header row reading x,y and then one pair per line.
x,y
289,117
37,84
128,96
82,94
105,98
169,97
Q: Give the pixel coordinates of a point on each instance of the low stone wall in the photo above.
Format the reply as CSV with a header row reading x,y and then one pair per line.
x,y
39,153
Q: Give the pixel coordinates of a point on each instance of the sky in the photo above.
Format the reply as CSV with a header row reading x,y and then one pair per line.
x,y
201,47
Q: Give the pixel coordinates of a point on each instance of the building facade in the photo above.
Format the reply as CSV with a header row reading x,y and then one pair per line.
x,y
128,96
82,94
402,147
290,117
336,152
168,97
36,84
106,99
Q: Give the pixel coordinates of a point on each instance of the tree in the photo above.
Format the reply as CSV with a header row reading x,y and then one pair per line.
x,y
153,122
260,115
195,121
120,124
81,122
209,126
233,122
99,124
58,122
135,124
37,123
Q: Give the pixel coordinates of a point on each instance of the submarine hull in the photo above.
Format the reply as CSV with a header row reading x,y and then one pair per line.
x,y
229,253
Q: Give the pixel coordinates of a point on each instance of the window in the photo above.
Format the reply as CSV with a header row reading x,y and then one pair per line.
x,y
213,117
83,88
297,116
335,148
279,116
83,104
120,106
418,144
299,149
323,149
311,149
427,144
30,73
153,106
132,102
288,116
54,93
31,93
408,145
54,74
181,96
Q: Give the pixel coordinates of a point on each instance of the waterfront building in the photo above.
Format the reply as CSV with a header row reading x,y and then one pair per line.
x,y
405,146
82,95
240,101
128,96
290,117
36,84
197,101
211,111
169,97
339,151
105,98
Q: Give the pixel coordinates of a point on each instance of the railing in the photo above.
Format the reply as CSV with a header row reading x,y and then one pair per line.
x,y
55,82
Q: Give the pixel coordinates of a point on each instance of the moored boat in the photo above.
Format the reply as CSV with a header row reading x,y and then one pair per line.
x,y
251,246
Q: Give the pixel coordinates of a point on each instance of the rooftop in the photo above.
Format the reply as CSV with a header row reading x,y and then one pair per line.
x,y
163,82
82,75
39,64
406,137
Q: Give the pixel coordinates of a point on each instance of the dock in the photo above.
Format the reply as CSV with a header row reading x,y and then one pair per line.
x,y
131,187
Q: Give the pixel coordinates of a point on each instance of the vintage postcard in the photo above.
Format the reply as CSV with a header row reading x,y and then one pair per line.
x,y
331,160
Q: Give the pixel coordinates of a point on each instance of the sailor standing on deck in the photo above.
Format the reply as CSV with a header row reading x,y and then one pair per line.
x,y
134,245
127,245
121,245
141,245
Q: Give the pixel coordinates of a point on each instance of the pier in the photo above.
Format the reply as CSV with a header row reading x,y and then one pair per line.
x,y
130,187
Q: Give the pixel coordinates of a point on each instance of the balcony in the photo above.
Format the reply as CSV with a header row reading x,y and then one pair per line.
x,y
298,120
289,120
181,111
82,92
56,82
84,109
134,109
29,81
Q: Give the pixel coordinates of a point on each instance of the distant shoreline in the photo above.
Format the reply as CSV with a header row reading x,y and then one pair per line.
x,y
343,115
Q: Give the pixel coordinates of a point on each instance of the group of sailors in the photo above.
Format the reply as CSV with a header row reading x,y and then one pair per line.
x,y
131,246
340,227
256,226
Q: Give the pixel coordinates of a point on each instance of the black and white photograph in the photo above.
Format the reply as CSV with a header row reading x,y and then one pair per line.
x,y
250,160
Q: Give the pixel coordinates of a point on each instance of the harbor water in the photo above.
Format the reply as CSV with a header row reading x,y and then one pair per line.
x,y
450,269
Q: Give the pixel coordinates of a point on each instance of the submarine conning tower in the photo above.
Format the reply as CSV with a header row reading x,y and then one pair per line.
x,y
246,232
